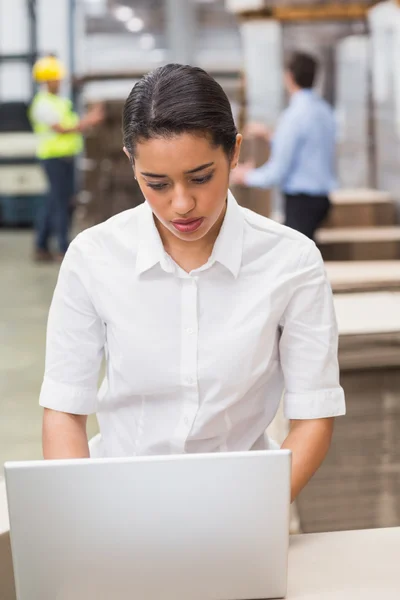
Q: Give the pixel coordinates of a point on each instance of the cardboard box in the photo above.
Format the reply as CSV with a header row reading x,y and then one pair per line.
x,y
254,199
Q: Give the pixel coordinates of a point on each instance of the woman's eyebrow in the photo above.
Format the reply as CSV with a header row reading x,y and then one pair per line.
x,y
201,168
195,170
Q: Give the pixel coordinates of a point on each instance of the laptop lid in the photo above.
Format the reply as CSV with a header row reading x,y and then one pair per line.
x,y
191,527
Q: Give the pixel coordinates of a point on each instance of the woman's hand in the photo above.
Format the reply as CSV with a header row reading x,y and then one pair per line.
x,y
309,441
64,435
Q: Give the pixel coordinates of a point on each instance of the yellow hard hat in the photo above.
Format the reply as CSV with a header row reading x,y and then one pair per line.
x,y
48,68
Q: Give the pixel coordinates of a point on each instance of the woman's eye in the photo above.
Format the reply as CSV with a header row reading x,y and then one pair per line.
x,y
204,179
157,186
196,180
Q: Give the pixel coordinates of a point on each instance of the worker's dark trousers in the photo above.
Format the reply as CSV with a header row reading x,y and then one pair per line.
x,y
306,213
54,219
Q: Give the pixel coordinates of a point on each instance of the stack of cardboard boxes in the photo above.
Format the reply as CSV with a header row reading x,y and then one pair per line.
x,y
258,200
107,182
358,486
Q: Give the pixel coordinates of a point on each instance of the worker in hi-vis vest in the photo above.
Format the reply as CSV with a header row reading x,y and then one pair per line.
x,y
59,132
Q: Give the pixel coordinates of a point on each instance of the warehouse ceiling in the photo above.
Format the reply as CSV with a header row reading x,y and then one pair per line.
x,y
112,16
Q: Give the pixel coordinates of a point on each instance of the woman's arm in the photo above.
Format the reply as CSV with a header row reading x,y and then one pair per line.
x,y
309,441
308,351
64,435
74,351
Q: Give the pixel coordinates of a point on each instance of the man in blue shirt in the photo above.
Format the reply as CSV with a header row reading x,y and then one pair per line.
x,y
302,158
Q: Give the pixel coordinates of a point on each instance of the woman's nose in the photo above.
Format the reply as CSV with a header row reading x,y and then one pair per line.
x,y
183,201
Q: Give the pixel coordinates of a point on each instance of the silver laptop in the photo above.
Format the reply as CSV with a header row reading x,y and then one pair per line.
x,y
191,527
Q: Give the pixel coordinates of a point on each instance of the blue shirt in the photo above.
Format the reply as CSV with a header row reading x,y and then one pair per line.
x,y
303,149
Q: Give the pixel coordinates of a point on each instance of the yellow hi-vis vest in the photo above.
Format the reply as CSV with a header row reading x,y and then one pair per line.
x,y
50,143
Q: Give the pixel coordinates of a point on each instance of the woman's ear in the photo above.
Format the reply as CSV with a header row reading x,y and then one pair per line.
x,y
128,154
236,153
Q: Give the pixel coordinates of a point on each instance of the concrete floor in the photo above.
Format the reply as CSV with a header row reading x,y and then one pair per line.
x,y
26,290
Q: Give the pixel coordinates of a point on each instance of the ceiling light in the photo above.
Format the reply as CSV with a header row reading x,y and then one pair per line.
x,y
123,13
95,8
147,41
135,25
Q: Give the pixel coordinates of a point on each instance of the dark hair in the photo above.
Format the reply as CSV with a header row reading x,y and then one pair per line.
x,y
177,99
303,68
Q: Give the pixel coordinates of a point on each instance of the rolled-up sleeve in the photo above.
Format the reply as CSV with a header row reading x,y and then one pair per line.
x,y
75,342
309,345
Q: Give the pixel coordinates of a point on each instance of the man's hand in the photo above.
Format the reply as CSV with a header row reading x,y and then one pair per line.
x,y
258,130
238,175
96,115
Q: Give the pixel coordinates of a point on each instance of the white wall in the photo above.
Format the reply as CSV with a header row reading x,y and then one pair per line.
x,y
53,31
15,78
352,63
385,28
263,65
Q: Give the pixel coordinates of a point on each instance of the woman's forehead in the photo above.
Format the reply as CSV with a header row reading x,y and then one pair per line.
x,y
182,152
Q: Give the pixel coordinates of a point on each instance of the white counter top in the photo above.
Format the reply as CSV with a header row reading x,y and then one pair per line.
x,y
354,565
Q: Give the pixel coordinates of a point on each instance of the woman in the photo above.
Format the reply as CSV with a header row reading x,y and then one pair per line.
x,y
205,311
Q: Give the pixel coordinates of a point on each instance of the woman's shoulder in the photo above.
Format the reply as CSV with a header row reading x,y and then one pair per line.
x,y
273,229
111,236
115,225
283,248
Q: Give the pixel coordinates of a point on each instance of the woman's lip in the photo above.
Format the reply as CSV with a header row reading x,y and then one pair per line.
x,y
188,226
185,221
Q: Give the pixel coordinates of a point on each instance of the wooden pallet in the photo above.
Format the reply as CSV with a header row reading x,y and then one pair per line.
x,y
364,276
361,243
361,208
369,329
368,313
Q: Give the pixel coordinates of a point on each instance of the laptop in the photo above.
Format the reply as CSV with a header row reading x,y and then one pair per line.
x,y
185,527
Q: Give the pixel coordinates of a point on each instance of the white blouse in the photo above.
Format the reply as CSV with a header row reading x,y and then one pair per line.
x,y
196,362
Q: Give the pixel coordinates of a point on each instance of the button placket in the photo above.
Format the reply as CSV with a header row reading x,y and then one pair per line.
x,y
189,347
